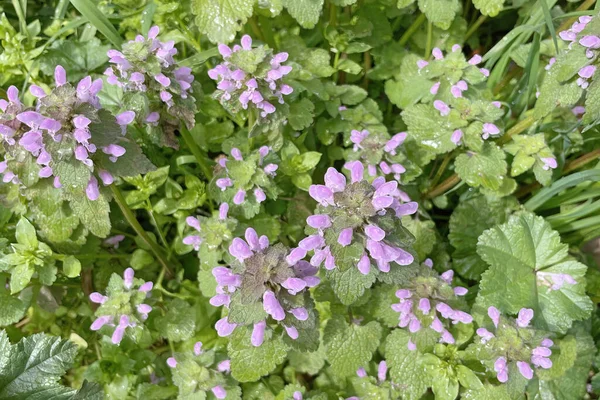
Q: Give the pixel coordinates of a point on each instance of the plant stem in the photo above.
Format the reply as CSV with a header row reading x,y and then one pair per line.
x,y
133,222
189,140
441,170
517,128
367,67
429,41
412,29
475,26
581,161
442,187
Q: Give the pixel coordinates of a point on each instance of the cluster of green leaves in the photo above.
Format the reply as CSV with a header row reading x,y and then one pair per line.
x,y
354,68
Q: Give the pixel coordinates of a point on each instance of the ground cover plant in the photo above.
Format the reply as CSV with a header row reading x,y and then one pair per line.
x,y
299,199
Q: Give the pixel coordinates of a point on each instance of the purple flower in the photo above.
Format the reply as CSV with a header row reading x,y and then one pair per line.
x,y
219,392
258,333
524,318
224,328
171,362
489,129
501,369
494,314
549,163
272,306
441,107
525,369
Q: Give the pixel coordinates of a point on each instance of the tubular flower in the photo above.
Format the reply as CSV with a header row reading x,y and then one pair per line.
x,y
377,151
251,78
211,234
146,66
124,305
512,341
198,371
426,303
454,95
65,127
247,180
357,214
261,276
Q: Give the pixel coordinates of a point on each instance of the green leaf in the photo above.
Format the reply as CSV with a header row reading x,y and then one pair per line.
x,y
93,214
140,259
440,12
349,66
25,234
487,392
249,363
306,12
90,11
31,369
78,58
405,365
491,8
221,19
428,128
349,284
20,276
469,219
179,322
486,168
301,114
71,267
13,309
521,253
349,347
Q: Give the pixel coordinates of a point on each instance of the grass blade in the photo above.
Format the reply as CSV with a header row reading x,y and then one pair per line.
x,y
548,18
564,183
89,10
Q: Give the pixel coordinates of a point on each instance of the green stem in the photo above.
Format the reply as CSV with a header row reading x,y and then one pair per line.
x,y
429,41
155,223
441,170
133,222
475,26
189,140
411,29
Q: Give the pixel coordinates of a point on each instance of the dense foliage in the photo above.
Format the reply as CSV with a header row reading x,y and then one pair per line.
x,y
299,199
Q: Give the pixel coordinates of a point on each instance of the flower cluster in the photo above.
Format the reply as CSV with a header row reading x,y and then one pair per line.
x,y
376,150
146,70
455,82
238,176
428,295
513,342
218,232
591,43
356,214
124,305
60,129
261,274
251,77
210,373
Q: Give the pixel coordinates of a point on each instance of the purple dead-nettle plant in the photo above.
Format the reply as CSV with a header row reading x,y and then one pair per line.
x,y
251,78
247,180
458,94
66,138
263,292
125,305
199,370
154,86
430,301
211,235
512,342
378,152
357,224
